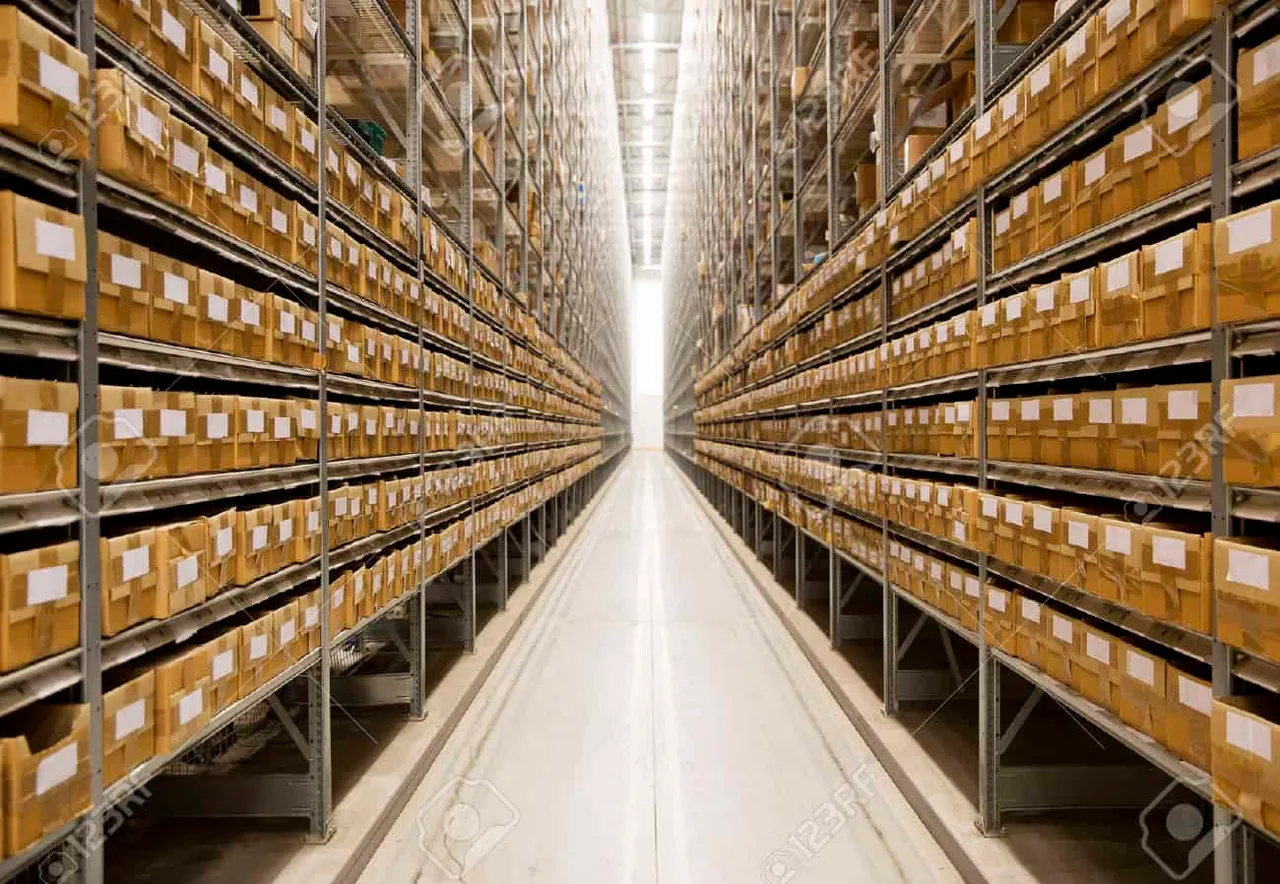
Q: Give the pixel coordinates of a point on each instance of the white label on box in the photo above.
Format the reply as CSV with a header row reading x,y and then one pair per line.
x,y
307,419
1009,106
1117,12
997,600
177,289
1118,539
1169,256
1013,308
1118,275
1063,409
1075,46
217,425
982,126
958,531
340,506
57,768
1042,519
339,595
173,30
1140,667
353,253
987,315
1248,569
1266,62
248,198
149,125
1079,289
1063,629
126,271
190,706
219,67
307,140
1021,204
288,630
173,423
1003,221
215,178
1094,168
1031,410
130,719
1039,79
1169,551
1099,411
284,531
1249,231
287,322
126,423
971,587
990,507
55,240
1133,410
955,153
135,563
257,647
370,426
1044,298
1183,405
187,570
59,79
1013,512
1053,188
276,118
1184,109
1000,411
222,542
1248,734
186,157
355,505
310,617
279,222
957,580
1030,610
258,538
1194,695
255,420
313,522
250,313
46,585
1138,143
1097,648
1254,400
282,428
249,90
1078,534
48,427
223,664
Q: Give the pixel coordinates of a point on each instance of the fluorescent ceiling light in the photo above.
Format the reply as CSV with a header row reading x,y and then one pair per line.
x,y
646,134
648,82
649,25
649,55
648,108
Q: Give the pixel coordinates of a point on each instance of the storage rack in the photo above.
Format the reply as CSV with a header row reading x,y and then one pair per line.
x,y
557,281
711,347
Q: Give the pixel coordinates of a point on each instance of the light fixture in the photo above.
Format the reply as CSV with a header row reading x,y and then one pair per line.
x,y
646,134
649,25
646,157
648,108
648,82
648,55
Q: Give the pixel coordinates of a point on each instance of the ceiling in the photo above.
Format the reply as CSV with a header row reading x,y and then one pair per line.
x,y
645,38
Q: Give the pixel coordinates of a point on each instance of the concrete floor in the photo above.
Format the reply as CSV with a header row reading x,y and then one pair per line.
x,y
653,722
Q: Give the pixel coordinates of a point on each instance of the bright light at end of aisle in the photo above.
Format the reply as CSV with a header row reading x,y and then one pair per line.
x,y
648,82
649,25
646,134
648,109
648,55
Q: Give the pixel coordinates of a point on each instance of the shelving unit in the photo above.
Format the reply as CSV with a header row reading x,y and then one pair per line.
x,y
446,300
789,376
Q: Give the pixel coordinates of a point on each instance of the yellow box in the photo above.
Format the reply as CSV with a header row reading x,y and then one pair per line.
x,y
124,293
40,607
45,772
44,85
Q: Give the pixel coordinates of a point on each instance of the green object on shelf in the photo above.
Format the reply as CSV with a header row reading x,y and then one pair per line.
x,y
372,133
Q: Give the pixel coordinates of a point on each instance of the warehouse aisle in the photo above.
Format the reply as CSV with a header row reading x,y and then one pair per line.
x,y
653,722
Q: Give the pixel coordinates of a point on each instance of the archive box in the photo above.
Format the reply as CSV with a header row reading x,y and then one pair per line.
x,y
1137,442
183,678
133,132
217,301
1246,255
1258,85
1245,573
45,752
130,579
44,87
184,185
175,312
1139,691
171,434
216,437
1246,772
182,550
214,72
1116,570
1184,125
1175,575
1120,301
310,606
173,39
1185,421
129,725
257,643
130,20
1058,645
1029,634
289,643
1251,430
124,290
223,654
1095,672
278,121
248,97
1189,704
1175,283
1072,559
219,174
40,605
42,258
1091,191
221,558
252,544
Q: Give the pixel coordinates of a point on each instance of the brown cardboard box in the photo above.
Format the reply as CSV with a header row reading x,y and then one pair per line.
x,y
1137,442
173,39
1252,431
216,302
42,258
1175,577
1044,533
251,331
309,608
1244,571
45,771
1189,703
214,71
44,87
1095,671
305,156
170,429
221,557
282,530
1134,168
133,132
129,725
1032,619
216,436
304,252
1246,775
1139,691
1079,86
124,294
253,544
248,209
182,697
1075,556
1061,647
1116,570
130,580
1042,83
175,310
248,97
182,554
1113,44
128,20
1092,189
1175,283
1165,24
1184,127
1185,420
278,121
1258,85
280,226
125,434
304,415
1246,255
40,605
219,175
307,539
290,642
184,185
1054,215
223,654
338,591
257,644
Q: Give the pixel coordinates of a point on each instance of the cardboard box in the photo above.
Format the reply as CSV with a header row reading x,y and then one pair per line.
x,y
1175,283
1095,671
1184,127
45,771
1185,422
182,697
248,95
170,432
220,567
338,591
304,252
223,654
307,538
128,20
1079,84
1092,192
175,309
1244,571
1258,86
1246,255
42,258
219,175
1092,439
1134,168
44,87
214,71
248,209
1113,44
1074,558
1115,572
182,552
1137,443
279,227
1251,431
278,119
253,544
1246,775
130,580
257,644
309,608
124,292
216,301
40,606
173,39
1189,704
129,725
216,439
1139,690
1032,620
184,185
290,642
